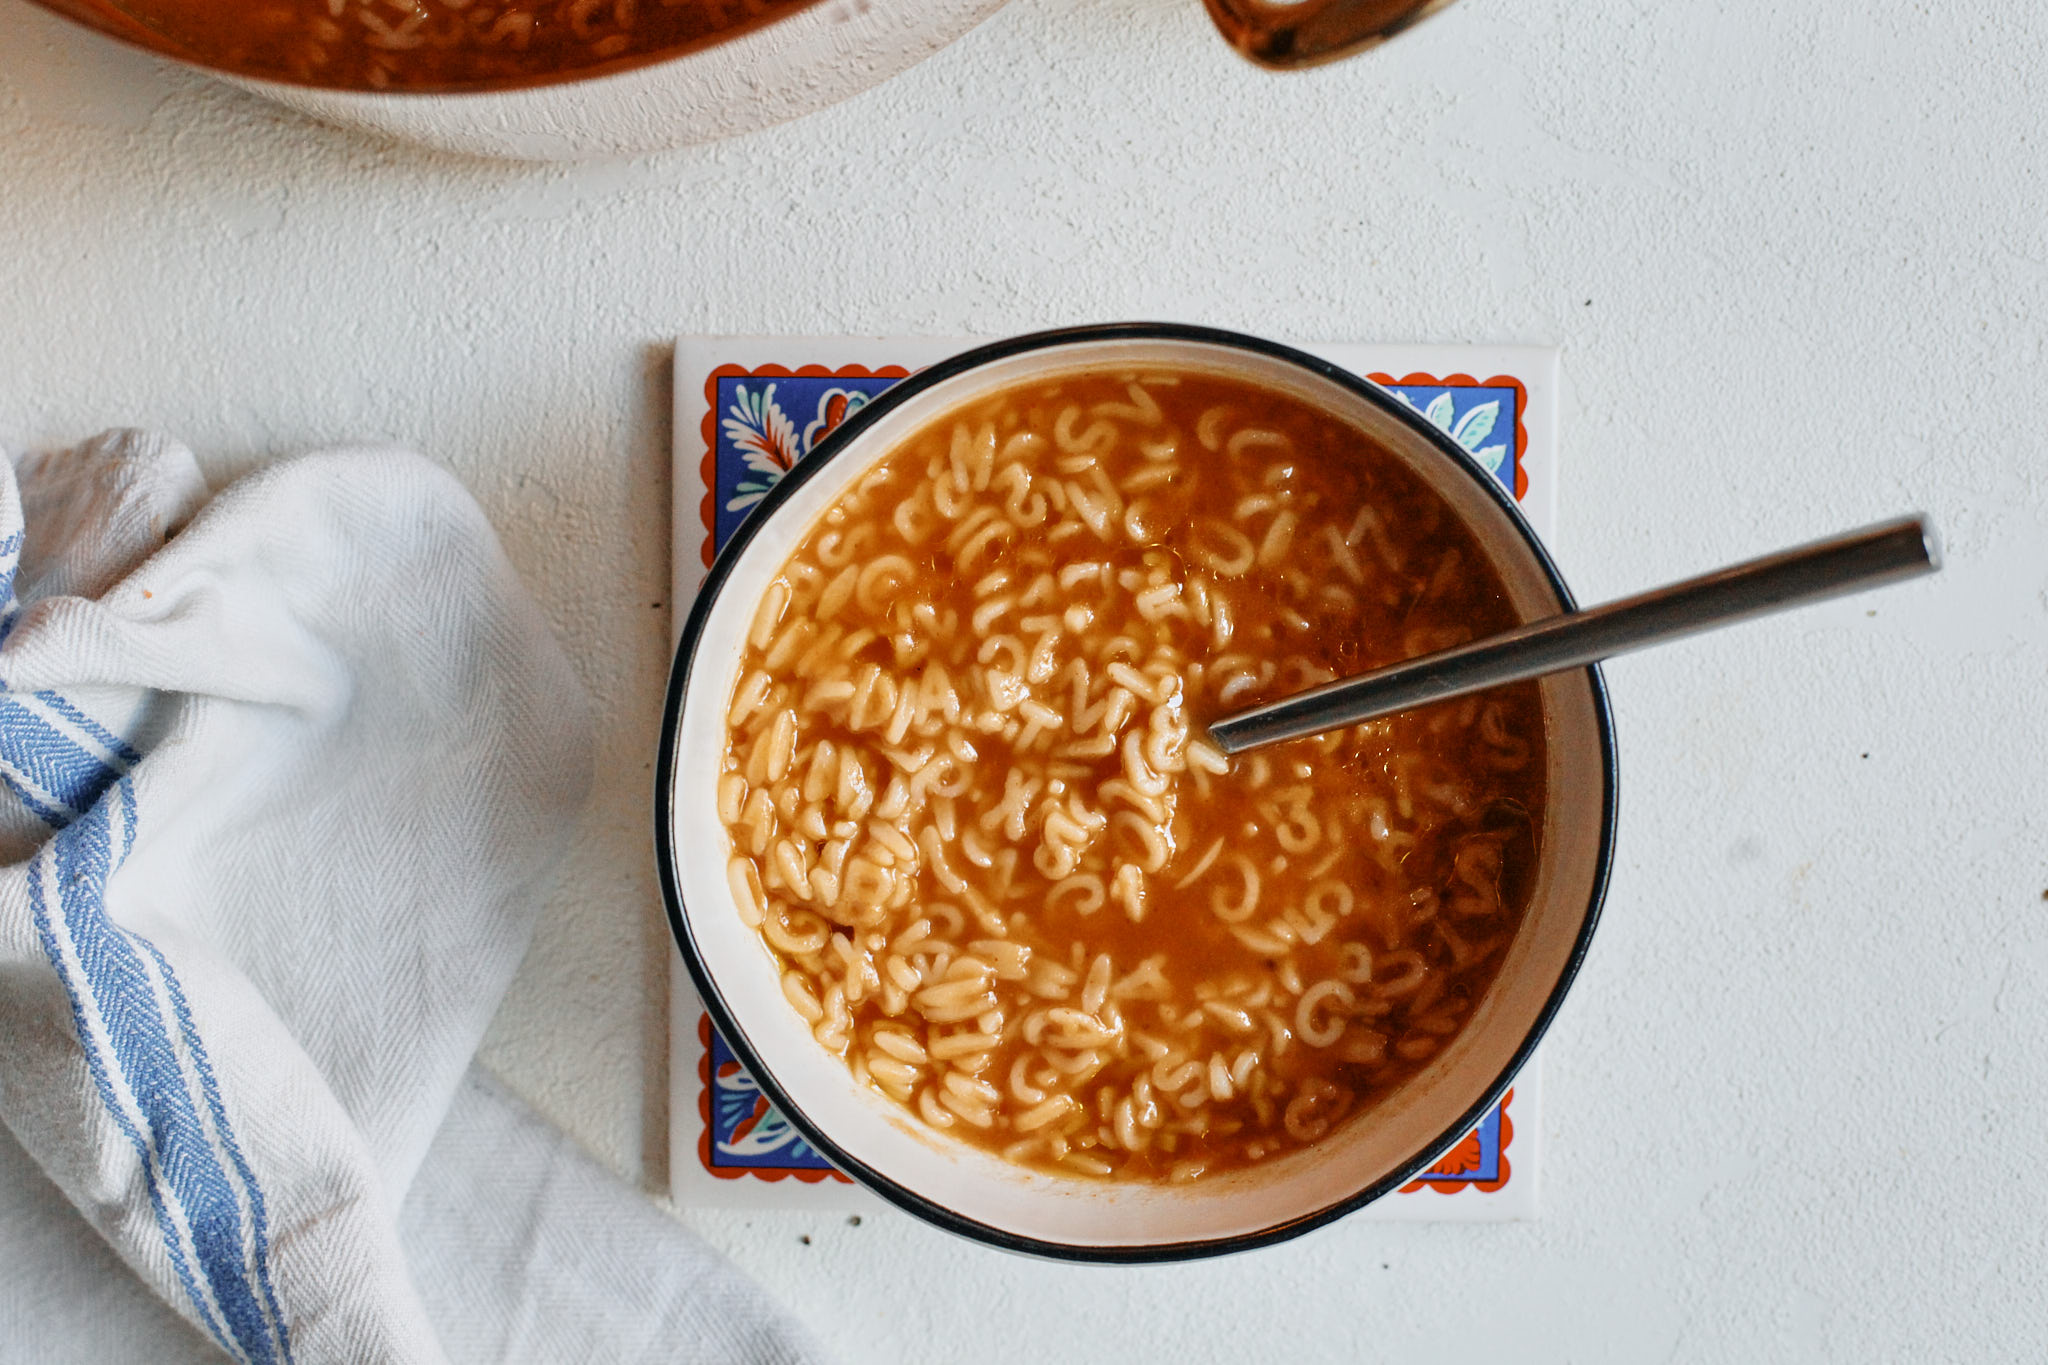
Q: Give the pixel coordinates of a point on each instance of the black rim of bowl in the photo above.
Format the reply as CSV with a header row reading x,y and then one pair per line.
x,y
671,724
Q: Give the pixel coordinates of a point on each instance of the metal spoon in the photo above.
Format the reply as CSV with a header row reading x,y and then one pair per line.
x,y
1888,552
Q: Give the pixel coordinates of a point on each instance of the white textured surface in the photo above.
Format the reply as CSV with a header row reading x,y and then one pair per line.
x,y
1798,265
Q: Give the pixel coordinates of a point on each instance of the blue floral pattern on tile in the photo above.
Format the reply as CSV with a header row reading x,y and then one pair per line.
x,y
766,424
1480,420
746,1128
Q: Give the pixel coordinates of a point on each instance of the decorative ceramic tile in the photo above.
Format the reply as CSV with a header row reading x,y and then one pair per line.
x,y
739,1132
746,410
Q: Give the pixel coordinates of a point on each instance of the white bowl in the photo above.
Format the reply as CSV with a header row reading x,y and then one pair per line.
x,y
971,1192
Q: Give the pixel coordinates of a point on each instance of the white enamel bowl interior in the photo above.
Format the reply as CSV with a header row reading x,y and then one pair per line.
x,y
1058,1212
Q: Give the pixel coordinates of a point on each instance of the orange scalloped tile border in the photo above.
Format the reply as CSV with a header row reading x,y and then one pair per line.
x,y
1447,1184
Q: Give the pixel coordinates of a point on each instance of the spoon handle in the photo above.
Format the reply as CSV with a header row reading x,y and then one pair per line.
x,y
1876,555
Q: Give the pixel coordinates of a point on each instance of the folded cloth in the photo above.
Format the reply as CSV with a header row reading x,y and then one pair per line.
x,y
284,770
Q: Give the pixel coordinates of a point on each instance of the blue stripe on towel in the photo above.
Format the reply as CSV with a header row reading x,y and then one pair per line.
x,y
187,1173
120,982
41,809
10,564
211,1088
113,743
95,1063
61,780
46,761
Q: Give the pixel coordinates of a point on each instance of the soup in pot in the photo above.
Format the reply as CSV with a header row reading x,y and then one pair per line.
x,y
440,44
973,814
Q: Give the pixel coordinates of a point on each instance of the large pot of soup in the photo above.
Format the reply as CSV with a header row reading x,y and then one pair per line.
x,y
961,879
559,79
544,80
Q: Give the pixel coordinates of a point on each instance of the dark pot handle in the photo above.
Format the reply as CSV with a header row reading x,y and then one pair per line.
x,y
1311,32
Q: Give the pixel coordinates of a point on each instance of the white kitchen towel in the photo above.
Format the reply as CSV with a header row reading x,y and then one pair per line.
x,y
283,770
